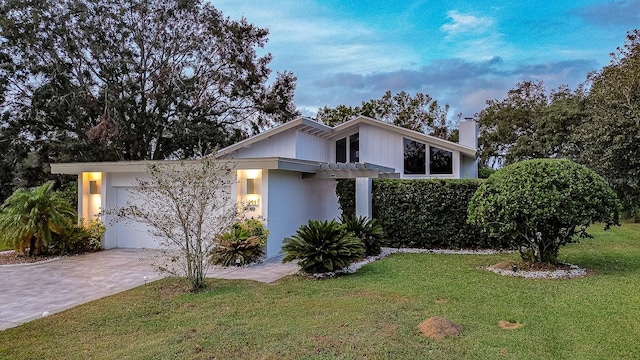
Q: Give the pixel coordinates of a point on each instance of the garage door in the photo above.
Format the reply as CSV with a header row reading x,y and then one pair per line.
x,y
130,235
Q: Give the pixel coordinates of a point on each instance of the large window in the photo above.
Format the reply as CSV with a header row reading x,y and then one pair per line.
x,y
440,161
414,157
353,150
341,151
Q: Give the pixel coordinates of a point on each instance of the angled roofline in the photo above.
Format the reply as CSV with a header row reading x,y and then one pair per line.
x,y
301,121
334,131
406,132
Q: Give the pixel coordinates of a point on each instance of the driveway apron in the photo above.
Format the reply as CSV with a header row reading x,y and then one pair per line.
x,y
28,291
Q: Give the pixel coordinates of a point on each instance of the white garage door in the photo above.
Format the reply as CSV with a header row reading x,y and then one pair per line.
x,y
130,235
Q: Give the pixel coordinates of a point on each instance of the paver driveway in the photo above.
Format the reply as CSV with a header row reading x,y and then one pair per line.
x,y
27,291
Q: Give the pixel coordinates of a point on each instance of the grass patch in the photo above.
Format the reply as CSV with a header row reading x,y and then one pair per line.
x,y
371,314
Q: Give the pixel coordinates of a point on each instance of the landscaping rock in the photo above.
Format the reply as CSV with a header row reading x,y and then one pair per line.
x,y
537,270
438,327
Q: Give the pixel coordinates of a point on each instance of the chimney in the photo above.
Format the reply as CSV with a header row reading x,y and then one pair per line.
x,y
468,133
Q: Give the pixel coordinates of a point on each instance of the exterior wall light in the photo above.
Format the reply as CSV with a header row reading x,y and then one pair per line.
x,y
93,187
251,189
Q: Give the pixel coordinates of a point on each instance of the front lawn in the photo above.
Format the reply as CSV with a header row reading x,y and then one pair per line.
x,y
371,314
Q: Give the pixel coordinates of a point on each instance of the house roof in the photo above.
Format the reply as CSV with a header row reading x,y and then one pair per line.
x,y
327,132
311,168
270,163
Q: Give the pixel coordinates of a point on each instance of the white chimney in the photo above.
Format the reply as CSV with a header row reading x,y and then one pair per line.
x,y
468,133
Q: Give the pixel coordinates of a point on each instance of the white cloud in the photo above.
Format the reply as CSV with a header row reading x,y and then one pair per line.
x,y
474,37
464,23
307,38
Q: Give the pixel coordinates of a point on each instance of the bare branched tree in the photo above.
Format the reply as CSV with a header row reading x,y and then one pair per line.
x,y
185,205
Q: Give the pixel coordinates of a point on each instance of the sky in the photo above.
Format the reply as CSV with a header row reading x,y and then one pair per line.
x,y
459,52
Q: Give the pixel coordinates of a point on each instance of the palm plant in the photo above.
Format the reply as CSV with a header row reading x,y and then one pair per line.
x,y
367,230
237,247
28,218
322,246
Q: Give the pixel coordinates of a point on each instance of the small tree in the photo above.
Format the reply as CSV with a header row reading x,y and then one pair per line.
x,y
187,205
29,217
540,205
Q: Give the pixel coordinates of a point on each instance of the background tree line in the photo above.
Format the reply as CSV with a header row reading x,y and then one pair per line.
x,y
98,80
597,124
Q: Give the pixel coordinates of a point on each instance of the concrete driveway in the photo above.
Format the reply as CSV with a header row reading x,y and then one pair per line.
x,y
27,291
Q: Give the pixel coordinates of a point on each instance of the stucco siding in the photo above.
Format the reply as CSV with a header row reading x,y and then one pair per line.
x,y
468,168
292,201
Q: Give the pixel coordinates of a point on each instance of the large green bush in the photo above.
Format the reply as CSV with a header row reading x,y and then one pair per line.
x,y
322,246
422,213
540,205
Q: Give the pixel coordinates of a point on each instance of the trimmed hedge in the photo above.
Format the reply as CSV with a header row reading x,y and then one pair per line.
x,y
422,213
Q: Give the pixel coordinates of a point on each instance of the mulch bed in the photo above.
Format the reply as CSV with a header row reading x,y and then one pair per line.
x,y
11,258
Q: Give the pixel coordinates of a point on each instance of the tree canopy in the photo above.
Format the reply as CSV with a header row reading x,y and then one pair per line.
x,y
608,142
597,125
99,80
418,113
529,124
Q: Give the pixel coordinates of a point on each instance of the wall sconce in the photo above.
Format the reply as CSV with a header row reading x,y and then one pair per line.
x,y
93,187
251,189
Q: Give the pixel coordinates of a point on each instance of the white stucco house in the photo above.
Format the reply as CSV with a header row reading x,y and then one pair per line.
x,y
287,174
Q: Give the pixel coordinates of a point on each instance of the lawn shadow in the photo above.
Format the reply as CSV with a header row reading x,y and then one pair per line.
x,y
608,263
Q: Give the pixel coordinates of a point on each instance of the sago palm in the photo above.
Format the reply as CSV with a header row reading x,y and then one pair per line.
x,y
322,246
30,216
368,230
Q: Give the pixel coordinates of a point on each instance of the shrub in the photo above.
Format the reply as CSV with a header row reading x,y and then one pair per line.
x,y
322,246
484,173
78,238
346,193
30,218
367,230
243,244
95,230
540,205
428,213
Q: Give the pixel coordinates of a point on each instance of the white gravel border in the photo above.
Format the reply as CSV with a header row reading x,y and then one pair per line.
x,y
574,272
556,274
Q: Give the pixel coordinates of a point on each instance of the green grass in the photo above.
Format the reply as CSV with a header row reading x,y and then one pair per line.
x,y
371,314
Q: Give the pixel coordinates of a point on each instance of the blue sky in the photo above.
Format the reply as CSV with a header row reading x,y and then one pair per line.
x,y
461,53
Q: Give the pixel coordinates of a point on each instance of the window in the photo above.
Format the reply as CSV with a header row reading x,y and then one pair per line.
x,y
354,148
341,151
440,161
414,157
